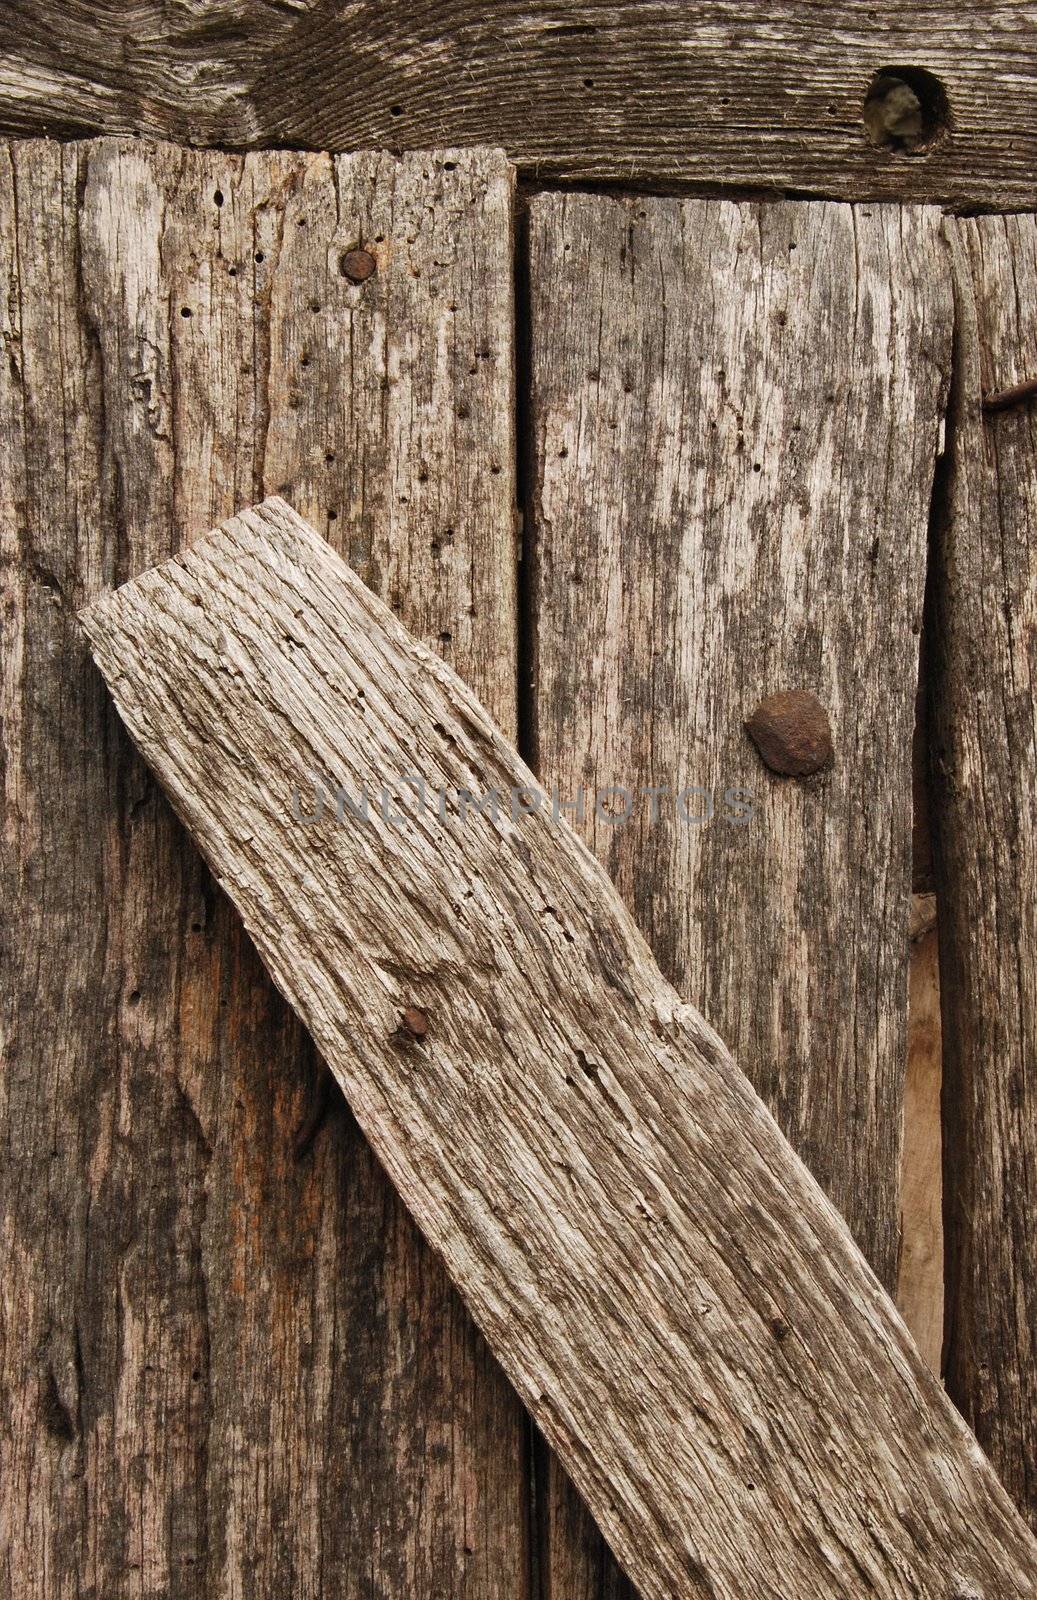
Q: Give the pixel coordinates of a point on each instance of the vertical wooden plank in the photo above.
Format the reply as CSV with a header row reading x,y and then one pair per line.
x,y
986,839
575,1561
234,1365
736,416
56,845
382,392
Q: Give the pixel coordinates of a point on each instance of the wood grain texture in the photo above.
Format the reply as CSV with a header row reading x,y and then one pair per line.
x,y
644,93
230,1365
668,1288
985,775
736,411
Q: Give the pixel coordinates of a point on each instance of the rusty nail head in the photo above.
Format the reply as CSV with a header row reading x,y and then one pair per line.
x,y
792,732
358,265
414,1022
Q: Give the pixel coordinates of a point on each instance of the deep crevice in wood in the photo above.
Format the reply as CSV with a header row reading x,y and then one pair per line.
x,y
920,1272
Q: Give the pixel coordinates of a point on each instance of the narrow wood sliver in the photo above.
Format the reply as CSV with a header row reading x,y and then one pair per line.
x,y
668,1288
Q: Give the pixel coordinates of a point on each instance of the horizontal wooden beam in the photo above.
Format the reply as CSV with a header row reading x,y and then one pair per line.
x,y
668,1288
853,101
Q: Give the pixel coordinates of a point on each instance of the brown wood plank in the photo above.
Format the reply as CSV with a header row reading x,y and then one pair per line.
x,y
984,782
920,1271
731,93
736,413
665,1283
231,1364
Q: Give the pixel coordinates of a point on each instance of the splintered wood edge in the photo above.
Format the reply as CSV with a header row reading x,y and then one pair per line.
x,y
665,1284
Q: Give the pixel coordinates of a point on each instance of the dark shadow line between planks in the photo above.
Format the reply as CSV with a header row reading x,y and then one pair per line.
x,y
933,614
525,450
925,875
536,1481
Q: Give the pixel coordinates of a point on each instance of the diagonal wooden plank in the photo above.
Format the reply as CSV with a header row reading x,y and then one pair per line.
x,y
669,1289
736,412
231,1364
985,771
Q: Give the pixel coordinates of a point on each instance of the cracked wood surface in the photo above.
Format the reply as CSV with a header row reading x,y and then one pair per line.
x,y
985,777
667,1287
230,1365
725,92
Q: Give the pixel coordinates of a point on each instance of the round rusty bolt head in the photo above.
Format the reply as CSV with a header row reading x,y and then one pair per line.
x,y
792,732
358,265
414,1022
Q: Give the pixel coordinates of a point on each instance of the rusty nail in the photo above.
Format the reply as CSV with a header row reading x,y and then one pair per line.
x,y
414,1022
792,732
1005,399
358,265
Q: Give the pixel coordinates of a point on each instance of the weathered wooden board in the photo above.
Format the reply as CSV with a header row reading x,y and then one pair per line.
x,y
230,1366
985,778
736,412
669,1289
733,93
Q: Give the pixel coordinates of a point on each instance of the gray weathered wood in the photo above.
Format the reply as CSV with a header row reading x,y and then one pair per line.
x,y
230,1365
769,97
666,1285
985,777
736,415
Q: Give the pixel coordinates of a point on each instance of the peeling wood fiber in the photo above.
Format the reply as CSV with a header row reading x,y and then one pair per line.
x,y
669,1290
